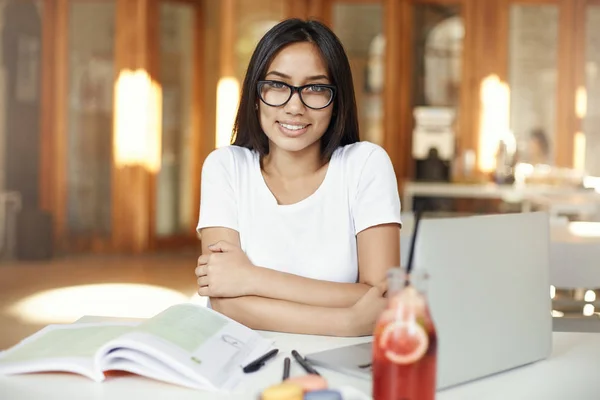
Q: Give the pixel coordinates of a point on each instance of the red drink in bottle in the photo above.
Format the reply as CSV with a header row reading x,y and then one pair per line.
x,y
405,342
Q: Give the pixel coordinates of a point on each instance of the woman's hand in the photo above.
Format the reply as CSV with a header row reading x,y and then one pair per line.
x,y
225,272
364,314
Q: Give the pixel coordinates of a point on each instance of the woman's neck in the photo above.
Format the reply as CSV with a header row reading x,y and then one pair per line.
x,y
292,165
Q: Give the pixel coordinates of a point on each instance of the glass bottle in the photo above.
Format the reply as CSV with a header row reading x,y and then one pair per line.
x,y
405,341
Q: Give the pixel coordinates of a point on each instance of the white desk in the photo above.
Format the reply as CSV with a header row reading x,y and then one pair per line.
x,y
526,195
574,259
570,373
464,190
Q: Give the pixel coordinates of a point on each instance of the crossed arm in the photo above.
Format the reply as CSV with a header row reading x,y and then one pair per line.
x,y
266,299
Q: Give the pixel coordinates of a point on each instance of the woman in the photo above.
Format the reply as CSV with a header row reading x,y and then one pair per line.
x,y
299,220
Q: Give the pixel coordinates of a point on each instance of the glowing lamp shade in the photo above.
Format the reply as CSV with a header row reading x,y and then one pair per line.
x,y
581,102
228,93
494,120
138,111
579,151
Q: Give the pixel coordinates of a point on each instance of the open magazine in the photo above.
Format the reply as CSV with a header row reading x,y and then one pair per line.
x,y
186,344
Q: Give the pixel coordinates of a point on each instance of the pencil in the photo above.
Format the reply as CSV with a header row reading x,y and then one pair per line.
x,y
304,364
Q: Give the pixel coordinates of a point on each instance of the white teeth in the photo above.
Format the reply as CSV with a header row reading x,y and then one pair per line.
x,y
293,127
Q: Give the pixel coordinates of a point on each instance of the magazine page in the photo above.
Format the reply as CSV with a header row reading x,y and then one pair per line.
x,y
196,342
66,348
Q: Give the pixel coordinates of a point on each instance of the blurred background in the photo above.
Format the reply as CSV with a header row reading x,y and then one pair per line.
x,y
108,109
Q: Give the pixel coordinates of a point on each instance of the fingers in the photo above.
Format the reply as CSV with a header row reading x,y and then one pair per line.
x,y
204,259
204,291
202,281
203,262
201,270
222,246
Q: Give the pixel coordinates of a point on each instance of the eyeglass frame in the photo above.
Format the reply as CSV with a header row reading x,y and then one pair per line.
x,y
296,89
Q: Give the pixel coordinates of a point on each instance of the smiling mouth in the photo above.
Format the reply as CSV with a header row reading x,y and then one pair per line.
x,y
293,127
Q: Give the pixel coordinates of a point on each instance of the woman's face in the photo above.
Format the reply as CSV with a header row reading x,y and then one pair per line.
x,y
294,127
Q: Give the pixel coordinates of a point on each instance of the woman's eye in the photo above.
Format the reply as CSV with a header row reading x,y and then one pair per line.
x,y
316,88
276,85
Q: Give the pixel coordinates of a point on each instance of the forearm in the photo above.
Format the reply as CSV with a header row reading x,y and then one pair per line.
x,y
284,316
298,289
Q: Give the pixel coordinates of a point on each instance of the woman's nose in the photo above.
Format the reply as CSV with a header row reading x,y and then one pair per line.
x,y
295,105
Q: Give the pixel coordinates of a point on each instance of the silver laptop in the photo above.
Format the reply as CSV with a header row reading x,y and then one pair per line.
x,y
489,294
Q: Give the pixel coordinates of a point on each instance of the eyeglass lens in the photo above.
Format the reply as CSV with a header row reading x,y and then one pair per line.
x,y
277,94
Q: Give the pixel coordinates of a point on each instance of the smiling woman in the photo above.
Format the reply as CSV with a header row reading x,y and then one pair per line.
x,y
299,220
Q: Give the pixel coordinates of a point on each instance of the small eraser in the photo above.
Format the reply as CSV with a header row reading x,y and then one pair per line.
x,y
309,382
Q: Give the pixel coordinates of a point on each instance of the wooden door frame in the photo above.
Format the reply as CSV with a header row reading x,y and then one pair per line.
x,y
54,77
54,133
467,133
570,73
398,118
397,108
198,145
579,67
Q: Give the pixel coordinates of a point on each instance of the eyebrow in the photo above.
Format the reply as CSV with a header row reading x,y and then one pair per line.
x,y
309,78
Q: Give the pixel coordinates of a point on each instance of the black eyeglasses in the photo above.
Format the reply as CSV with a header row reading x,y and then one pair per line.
x,y
276,94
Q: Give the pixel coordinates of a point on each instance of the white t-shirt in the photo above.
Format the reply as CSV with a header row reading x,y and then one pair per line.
x,y
315,237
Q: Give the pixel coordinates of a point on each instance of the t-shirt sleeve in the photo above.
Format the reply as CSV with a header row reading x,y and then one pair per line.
x,y
377,200
218,205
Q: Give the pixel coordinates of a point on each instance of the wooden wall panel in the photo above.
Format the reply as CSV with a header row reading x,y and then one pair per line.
x,y
397,119
49,41
465,130
227,36
296,9
211,45
321,10
566,122
485,55
310,9
448,2
199,151
133,185
54,140
579,59
215,58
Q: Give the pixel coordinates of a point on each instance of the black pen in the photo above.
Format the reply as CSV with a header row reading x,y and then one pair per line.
x,y
286,368
302,361
259,362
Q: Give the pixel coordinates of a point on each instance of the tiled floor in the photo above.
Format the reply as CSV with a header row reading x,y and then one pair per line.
x,y
18,280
